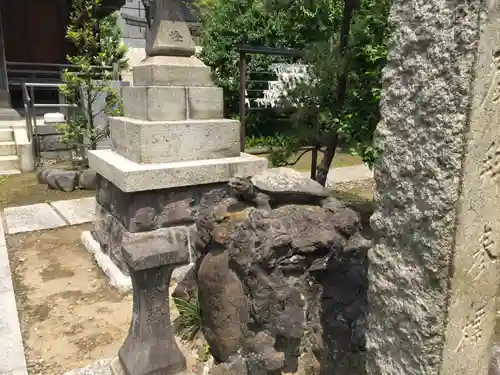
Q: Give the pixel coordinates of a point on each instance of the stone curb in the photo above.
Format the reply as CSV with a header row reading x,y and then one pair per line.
x,y
12,358
115,276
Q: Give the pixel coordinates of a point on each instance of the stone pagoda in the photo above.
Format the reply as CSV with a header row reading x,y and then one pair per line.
x,y
172,152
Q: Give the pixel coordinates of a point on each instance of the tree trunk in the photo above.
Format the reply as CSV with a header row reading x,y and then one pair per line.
x,y
324,167
332,138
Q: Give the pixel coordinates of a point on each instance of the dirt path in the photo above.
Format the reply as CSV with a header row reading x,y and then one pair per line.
x,y
69,316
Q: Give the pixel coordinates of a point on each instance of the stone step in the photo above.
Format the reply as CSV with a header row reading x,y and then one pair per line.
x,y
8,148
8,172
6,135
12,124
9,162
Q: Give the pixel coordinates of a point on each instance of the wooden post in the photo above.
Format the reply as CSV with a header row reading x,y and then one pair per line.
x,y
314,162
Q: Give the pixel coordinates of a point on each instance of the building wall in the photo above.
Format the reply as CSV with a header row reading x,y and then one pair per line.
x,y
134,26
134,32
34,30
133,23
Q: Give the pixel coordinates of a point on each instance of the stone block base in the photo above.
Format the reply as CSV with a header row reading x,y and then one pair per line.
x,y
130,176
150,142
135,212
172,103
142,204
155,103
123,218
110,234
108,254
172,71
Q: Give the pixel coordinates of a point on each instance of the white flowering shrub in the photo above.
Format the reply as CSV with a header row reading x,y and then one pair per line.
x,y
289,76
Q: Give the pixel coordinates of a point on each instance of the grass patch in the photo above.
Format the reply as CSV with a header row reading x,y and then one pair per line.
x,y
23,189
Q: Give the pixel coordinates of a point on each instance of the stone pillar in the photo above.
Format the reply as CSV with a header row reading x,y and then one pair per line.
x,y
433,273
6,111
150,346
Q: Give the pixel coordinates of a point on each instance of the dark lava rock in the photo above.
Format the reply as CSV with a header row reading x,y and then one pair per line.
x,y
281,289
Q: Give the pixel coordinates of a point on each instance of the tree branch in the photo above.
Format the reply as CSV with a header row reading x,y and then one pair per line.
x,y
298,158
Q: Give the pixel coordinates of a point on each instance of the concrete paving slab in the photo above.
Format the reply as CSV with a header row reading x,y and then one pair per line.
x,y
348,174
9,172
3,242
12,359
101,367
76,211
30,218
11,344
352,173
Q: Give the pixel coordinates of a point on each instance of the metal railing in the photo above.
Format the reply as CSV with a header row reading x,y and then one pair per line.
x,y
246,51
18,72
30,70
44,76
30,107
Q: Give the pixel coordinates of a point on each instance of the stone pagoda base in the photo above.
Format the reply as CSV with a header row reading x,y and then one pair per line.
x,y
140,202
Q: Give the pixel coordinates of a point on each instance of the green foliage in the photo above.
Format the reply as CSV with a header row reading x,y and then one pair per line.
x,y
366,57
205,356
354,120
98,43
345,52
189,323
226,24
97,37
276,141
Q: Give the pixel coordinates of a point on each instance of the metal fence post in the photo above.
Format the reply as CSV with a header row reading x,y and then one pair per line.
x,y
116,72
243,68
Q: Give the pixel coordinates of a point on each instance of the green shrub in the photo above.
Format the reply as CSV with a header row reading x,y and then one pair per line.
x,y
189,323
98,43
345,45
226,24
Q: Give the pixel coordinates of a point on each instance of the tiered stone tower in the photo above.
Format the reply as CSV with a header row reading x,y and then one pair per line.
x,y
172,153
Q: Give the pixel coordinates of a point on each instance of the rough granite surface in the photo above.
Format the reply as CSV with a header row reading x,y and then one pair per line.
x,y
431,276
